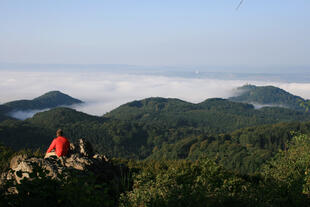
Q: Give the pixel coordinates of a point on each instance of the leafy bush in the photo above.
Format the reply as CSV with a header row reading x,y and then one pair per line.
x,y
185,183
283,181
289,171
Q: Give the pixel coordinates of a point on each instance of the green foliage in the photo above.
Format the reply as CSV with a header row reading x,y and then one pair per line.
x,y
290,171
283,181
184,183
237,137
4,110
20,135
244,150
305,104
159,128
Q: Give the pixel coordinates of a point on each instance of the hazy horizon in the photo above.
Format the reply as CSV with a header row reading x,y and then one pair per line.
x,y
104,91
108,53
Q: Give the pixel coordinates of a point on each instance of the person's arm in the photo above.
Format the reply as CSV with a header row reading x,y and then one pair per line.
x,y
52,146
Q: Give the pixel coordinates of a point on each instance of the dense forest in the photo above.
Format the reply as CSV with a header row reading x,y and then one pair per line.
x,y
154,139
282,181
239,136
217,152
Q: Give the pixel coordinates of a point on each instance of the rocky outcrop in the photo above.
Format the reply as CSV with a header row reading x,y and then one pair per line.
x,y
81,160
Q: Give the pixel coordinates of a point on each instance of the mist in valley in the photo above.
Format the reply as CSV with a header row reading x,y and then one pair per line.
x,y
103,91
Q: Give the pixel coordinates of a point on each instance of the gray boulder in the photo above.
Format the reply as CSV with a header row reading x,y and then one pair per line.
x,y
81,159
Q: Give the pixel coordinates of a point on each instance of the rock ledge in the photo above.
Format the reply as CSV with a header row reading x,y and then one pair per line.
x,y
81,159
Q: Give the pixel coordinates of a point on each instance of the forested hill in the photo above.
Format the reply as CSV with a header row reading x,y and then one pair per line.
x,y
48,100
4,109
157,128
4,117
269,95
61,116
216,115
3,112
244,150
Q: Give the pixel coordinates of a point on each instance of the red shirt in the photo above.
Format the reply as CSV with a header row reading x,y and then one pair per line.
x,y
62,146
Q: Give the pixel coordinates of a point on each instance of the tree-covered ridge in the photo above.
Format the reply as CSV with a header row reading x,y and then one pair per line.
x,y
157,128
115,138
21,135
244,150
48,100
4,110
219,115
61,116
269,95
143,108
217,153
4,117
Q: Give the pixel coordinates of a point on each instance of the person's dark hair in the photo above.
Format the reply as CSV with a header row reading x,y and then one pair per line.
x,y
59,132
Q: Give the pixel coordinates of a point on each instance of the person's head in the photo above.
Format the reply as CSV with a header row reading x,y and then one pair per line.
x,y
59,132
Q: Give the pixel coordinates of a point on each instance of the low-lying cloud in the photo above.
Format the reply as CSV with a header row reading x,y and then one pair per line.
x,y
104,91
259,106
22,115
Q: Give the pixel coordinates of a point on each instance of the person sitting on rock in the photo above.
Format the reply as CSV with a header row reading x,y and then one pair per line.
x,y
60,144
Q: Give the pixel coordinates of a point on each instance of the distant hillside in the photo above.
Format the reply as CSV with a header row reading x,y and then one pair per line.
x,y
48,100
4,110
113,137
243,149
4,117
21,135
217,115
269,95
167,128
61,116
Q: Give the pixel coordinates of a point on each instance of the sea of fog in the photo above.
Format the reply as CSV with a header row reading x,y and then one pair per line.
x,y
104,90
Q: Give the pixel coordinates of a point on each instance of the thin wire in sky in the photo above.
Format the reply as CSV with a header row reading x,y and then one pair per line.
x,y
239,4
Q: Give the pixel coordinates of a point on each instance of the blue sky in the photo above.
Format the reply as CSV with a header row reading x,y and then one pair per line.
x,y
262,35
